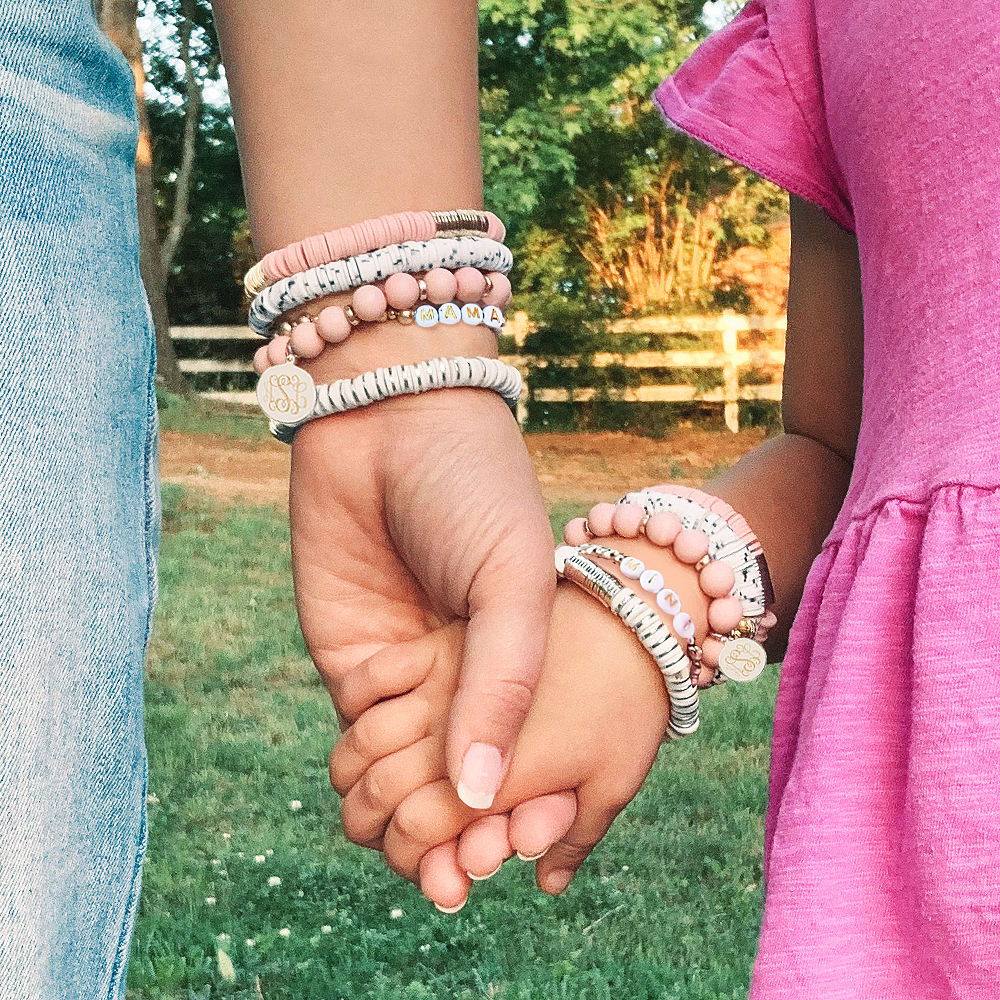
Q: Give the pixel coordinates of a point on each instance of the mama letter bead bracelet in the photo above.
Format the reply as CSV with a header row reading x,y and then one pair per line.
x,y
365,269
572,564
287,394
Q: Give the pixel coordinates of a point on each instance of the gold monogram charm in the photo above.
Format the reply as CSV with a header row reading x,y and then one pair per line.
x,y
286,393
742,659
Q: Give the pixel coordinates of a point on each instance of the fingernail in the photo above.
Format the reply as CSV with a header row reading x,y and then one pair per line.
x,y
483,878
451,909
532,857
480,778
556,881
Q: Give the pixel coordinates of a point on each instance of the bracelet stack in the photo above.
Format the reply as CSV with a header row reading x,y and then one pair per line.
x,y
427,269
707,534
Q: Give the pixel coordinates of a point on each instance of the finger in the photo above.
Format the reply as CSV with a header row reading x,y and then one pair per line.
x,y
539,823
382,730
595,814
369,805
484,846
442,880
392,671
432,815
509,612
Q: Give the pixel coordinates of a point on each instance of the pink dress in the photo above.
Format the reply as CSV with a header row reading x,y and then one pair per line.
x,y
882,852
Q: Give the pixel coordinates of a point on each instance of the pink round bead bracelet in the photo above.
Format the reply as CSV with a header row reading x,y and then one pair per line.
x,y
364,237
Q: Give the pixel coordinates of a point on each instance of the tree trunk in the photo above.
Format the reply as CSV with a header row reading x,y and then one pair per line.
x,y
118,20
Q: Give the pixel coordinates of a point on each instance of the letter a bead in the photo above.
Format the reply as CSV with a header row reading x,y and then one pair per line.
x,y
426,316
449,314
493,317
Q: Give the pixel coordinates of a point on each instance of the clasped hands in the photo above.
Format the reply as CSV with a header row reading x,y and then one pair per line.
x,y
426,593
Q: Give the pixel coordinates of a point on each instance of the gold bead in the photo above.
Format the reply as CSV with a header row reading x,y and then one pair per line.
x,y
352,316
422,285
405,316
702,562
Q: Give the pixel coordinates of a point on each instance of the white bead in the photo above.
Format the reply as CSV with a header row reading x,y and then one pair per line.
x,y
426,316
684,625
651,581
449,314
632,568
561,555
472,314
668,601
493,317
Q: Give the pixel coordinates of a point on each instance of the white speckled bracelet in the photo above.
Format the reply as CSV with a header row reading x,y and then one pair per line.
x,y
404,380
659,642
364,269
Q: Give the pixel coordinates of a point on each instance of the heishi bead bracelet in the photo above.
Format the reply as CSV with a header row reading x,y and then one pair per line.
x,y
310,402
363,237
339,276
572,564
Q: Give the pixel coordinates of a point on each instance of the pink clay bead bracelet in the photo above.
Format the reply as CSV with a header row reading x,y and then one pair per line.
x,y
690,545
364,237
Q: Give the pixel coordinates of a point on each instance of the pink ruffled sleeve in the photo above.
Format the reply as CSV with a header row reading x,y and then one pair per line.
x,y
753,92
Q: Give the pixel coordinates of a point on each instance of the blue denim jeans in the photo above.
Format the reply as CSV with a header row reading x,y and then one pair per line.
x,y
80,507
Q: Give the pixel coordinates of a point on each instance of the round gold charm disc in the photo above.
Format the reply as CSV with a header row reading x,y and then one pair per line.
x,y
286,393
742,659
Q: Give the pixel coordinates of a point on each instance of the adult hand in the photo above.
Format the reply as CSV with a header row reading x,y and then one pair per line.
x,y
417,511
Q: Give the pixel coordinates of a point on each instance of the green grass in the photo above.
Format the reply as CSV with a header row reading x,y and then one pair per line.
x,y
238,725
194,415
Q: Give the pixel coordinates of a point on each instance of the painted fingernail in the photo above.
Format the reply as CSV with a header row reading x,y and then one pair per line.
x,y
451,909
480,778
532,857
483,878
556,881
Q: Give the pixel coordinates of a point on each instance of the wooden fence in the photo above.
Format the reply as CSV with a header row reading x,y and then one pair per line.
x,y
728,358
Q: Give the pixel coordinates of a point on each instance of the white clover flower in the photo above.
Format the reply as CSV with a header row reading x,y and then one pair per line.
x,y
152,800
226,836
624,868
269,852
216,862
260,859
395,914
425,948
295,805
223,872
274,880
285,932
224,937
239,854
300,893
326,929
250,942
210,900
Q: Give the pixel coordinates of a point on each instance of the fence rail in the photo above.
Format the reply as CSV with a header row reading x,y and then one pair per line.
x,y
730,359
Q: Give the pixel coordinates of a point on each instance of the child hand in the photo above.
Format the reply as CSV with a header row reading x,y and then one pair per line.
x,y
600,712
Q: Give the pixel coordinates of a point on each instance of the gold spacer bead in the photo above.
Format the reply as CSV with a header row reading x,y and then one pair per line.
x,y
422,285
489,283
285,328
352,316
405,316
702,562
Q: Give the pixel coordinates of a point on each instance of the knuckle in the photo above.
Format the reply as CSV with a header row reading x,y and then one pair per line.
x,y
508,698
355,829
371,791
335,768
362,738
409,824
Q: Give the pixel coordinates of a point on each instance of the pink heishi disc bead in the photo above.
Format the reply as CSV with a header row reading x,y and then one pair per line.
x,y
470,284
628,517
724,613
441,285
601,519
717,579
260,362
277,350
500,296
690,545
332,325
402,291
306,342
711,649
368,302
574,533
663,528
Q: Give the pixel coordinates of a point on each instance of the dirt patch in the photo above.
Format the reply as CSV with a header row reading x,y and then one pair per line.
x,y
571,467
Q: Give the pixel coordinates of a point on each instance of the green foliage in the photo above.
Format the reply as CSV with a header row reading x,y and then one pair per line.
x,y
238,726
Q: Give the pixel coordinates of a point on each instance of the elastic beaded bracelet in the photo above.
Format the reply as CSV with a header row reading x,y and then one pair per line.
x,y
573,565
363,237
309,336
383,383
365,269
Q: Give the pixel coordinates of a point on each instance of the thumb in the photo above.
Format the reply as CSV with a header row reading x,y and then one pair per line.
x,y
509,613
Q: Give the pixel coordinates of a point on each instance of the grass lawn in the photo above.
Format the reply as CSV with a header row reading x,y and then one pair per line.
x,y
238,727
